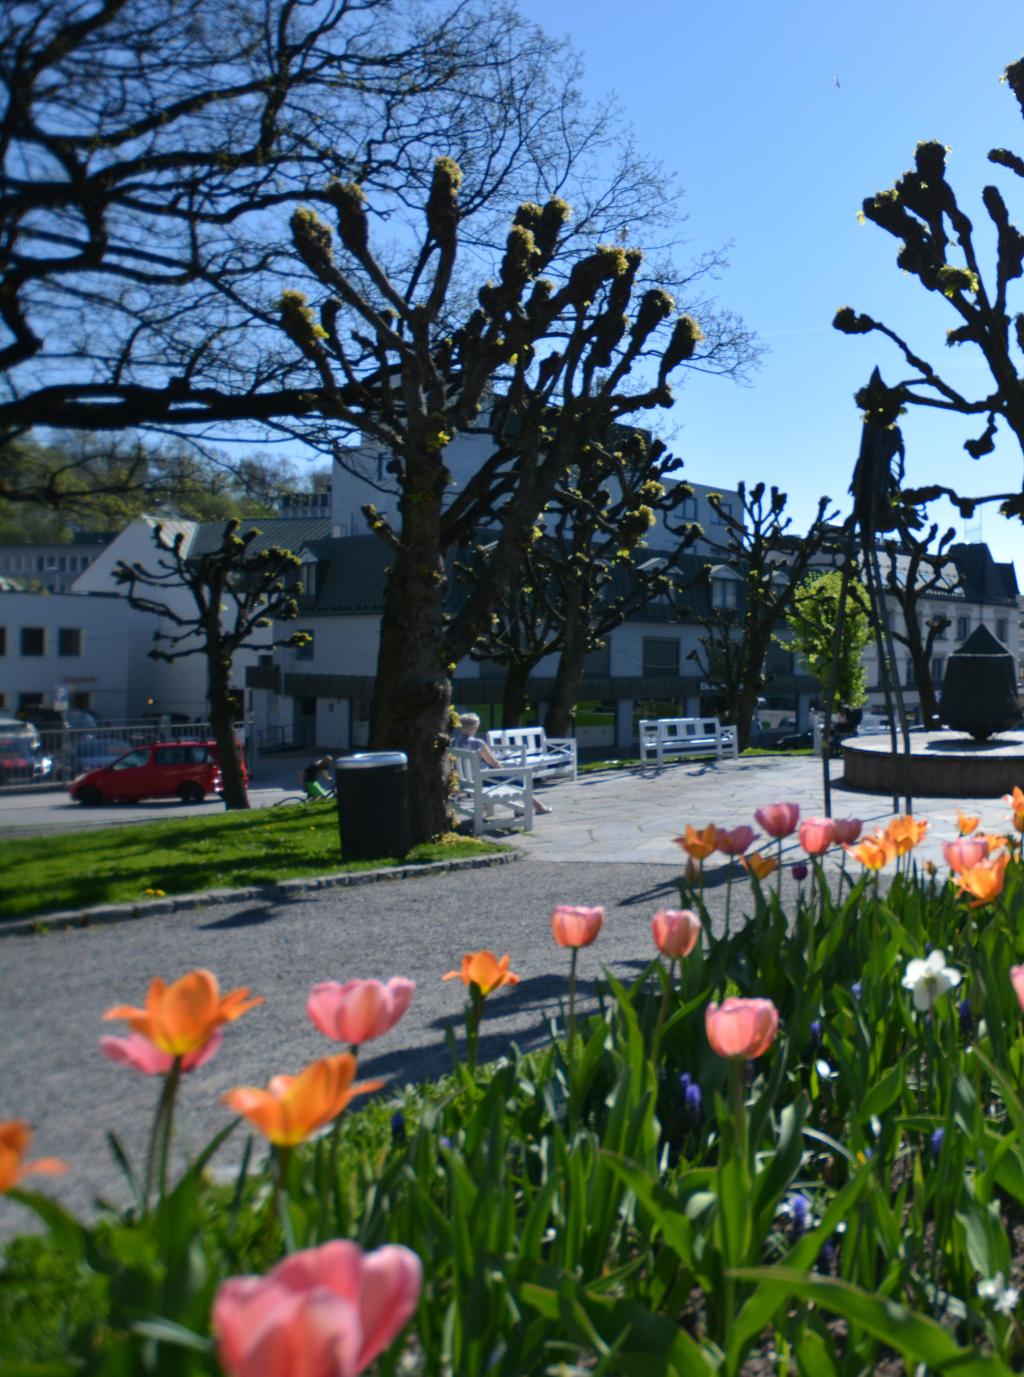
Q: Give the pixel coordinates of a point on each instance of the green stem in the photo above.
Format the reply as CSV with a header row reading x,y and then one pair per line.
x,y
666,994
778,871
728,895
171,1088
279,1203
166,1095
474,1012
571,1038
737,1072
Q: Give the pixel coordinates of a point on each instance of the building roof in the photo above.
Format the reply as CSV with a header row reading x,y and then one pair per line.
x,y
291,533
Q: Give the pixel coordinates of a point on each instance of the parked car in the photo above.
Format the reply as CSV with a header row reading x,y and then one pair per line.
x,y
188,770
22,758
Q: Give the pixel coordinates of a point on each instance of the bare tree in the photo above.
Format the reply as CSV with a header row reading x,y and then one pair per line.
x,y
771,563
914,569
939,248
237,590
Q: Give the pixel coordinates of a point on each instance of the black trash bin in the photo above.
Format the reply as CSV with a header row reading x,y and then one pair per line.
x,y
373,805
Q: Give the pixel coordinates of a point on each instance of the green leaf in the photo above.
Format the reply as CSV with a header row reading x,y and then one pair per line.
x,y
167,1332
69,1235
917,1337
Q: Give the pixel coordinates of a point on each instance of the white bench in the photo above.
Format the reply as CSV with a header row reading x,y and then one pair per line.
x,y
664,736
486,789
549,755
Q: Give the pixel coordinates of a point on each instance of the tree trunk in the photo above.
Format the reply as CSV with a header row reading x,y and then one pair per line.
x,y
414,689
920,657
222,721
562,705
514,700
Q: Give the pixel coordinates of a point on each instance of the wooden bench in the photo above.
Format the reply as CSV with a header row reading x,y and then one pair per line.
x,y
486,789
549,755
668,736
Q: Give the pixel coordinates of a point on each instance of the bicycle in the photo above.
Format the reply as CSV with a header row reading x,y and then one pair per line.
x,y
292,799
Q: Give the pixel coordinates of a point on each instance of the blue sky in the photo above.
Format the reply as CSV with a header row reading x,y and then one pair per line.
x,y
741,102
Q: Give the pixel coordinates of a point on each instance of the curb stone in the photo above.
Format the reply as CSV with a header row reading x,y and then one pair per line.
x,y
105,914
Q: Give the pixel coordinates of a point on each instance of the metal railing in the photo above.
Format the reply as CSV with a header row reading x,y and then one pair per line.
x,y
54,756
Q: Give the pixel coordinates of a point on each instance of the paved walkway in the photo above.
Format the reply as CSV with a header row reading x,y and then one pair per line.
x,y
608,842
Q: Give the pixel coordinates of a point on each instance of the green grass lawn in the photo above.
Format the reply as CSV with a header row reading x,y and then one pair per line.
x,y
634,762
124,864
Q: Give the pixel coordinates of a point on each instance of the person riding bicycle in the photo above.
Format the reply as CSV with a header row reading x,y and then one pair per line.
x,y
312,778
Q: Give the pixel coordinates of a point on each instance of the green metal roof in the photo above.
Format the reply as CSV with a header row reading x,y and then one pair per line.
x,y
291,533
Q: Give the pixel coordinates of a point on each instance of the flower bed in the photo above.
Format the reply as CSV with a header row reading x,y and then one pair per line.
x,y
794,1146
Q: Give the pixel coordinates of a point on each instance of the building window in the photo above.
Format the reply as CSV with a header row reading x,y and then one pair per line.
x,y
725,593
689,506
69,640
661,656
938,669
942,626
3,640
82,701
305,652
1001,629
910,678
33,640
30,700
963,628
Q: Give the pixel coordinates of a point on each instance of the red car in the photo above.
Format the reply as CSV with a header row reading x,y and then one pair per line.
x,y
188,770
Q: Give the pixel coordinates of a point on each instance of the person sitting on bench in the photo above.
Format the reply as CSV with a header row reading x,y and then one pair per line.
x,y
466,739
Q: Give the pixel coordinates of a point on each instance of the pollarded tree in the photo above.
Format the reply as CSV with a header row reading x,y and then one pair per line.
x,y
812,619
757,545
586,574
912,571
560,355
939,248
237,588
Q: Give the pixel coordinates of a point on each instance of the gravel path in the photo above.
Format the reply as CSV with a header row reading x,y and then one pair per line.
x,y
54,988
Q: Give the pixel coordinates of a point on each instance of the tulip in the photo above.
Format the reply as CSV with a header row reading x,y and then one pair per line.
x,y
733,843
183,1017
741,1029
817,835
576,926
905,833
873,852
965,824
137,1051
485,971
360,1010
985,880
1017,980
847,830
800,872
1016,802
675,932
778,819
698,845
292,1108
964,853
758,864
15,1136
325,1312
994,841
930,979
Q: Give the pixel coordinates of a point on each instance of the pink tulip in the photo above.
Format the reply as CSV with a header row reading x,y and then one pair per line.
x,y
779,819
817,835
675,931
136,1050
847,830
965,853
1017,977
325,1312
733,843
361,1010
741,1028
576,926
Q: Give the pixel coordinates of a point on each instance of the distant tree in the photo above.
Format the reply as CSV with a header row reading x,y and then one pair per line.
x,y
912,572
586,574
813,618
772,563
236,591
937,246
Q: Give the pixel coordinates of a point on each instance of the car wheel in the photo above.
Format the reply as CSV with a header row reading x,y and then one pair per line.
x,y
191,793
90,796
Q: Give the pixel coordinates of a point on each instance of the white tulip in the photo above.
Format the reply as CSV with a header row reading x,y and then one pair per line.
x,y
930,978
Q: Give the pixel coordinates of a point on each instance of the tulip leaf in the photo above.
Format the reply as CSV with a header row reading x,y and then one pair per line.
x,y
176,1335
883,1094
919,1338
64,1228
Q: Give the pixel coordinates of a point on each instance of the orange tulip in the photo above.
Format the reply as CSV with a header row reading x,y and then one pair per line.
x,y
873,852
15,1136
995,841
1016,802
966,825
483,969
984,880
294,1107
905,833
183,1017
758,864
698,845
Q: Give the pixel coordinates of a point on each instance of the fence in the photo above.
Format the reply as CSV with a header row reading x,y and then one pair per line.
x,y
48,757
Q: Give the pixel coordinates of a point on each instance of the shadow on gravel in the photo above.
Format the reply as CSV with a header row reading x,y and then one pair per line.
x,y
248,918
